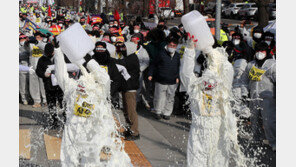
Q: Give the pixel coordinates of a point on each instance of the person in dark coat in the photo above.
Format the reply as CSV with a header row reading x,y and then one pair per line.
x,y
54,94
164,70
131,63
237,48
102,56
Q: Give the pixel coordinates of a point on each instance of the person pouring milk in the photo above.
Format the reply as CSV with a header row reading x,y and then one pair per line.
x,y
213,134
90,130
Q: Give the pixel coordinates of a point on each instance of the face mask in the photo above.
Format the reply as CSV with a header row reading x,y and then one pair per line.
x,y
100,49
22,43
61,25
260,55
44,40
268,42
236,41
115,25
257,35
106,39
136,31
113,39
171,50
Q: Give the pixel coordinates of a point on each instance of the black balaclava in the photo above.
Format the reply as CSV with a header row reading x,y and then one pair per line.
x,y
262,46
269,35
48,50
121,49
257,30
103,58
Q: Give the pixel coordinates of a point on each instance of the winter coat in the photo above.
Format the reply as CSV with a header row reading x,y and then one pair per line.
x,y
131,63
42,66
165,68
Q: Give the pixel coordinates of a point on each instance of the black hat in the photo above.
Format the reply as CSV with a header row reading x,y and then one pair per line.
x,y
261,46
268,34
258,29
237,34
49,49
101,43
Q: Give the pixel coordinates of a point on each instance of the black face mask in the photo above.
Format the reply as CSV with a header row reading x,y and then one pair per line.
x,y
103,58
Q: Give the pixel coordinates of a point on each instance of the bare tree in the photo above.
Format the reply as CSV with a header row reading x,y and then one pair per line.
x,y
186,6
263,16
107,6
99,6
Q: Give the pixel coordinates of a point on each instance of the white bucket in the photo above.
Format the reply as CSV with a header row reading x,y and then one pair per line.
x,y
75,43
196,25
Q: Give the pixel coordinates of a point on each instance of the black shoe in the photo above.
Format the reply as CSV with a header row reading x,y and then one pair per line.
x,y
132,137
157,116
125,133
166,117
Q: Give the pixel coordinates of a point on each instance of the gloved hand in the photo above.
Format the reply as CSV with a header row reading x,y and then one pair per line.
x,y
47,72
191,41
31,70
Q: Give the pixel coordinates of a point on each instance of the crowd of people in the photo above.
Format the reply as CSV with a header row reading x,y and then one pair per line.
x,y
144,65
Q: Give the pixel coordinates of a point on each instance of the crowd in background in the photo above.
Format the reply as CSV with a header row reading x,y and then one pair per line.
x,y
144,66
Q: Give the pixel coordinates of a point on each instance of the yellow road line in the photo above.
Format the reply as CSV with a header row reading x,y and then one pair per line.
x,y
135,154
25,143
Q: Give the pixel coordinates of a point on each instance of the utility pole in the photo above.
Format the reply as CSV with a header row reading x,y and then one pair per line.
x,y
78,6
218,19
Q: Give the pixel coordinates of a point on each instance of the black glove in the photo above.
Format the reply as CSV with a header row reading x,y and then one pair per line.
x,y
33,40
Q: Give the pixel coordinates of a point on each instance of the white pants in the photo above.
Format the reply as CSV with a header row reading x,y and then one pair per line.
x,y
204,143
37,87
23,82
164,98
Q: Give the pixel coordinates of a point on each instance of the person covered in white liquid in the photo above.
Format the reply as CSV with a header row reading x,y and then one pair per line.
x,y
90,130
259,83
213,136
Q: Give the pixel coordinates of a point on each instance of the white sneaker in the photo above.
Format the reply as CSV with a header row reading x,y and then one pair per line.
x,y
25,102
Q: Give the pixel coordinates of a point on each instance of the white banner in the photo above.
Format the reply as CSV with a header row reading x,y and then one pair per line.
x,y
32,1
